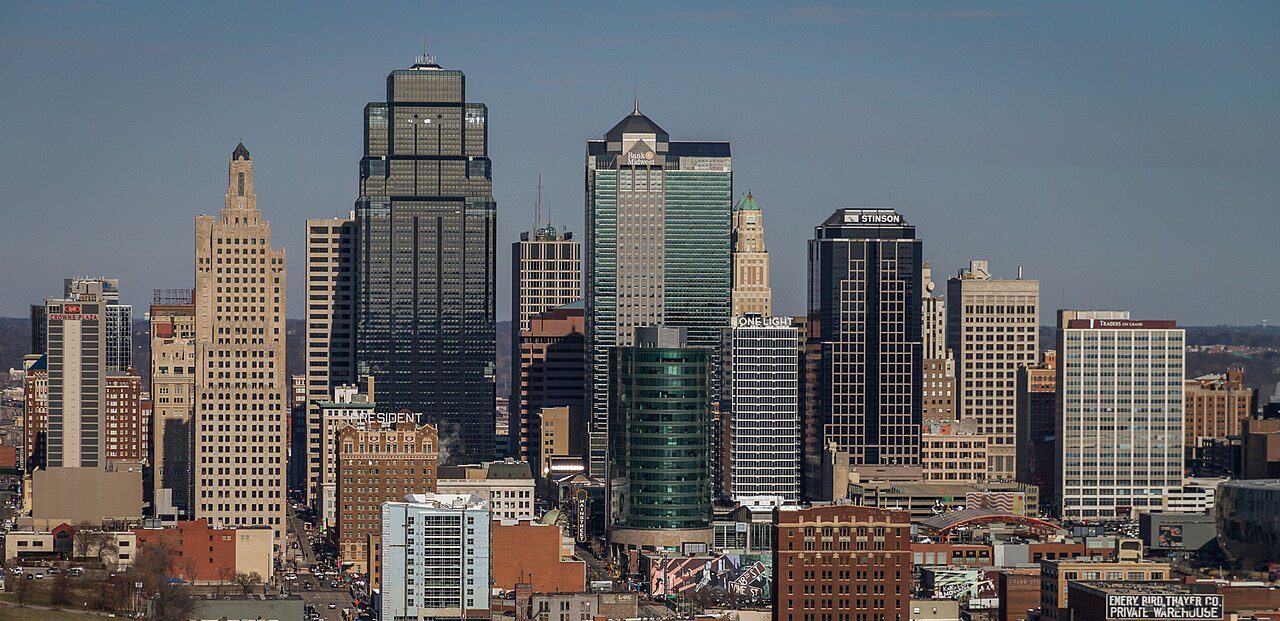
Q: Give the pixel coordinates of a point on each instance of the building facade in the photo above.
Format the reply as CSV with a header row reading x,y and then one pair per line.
x,y
1037,425
761,403
658,248
507,486
378,465
173,393
939,375
1121,406
992,329
841,562
242,389
951,454
35,411
865,346
1216,404
546,275
659,475
330,330
751,292
349,408
424,246
126,422
436,558
550,372
77,370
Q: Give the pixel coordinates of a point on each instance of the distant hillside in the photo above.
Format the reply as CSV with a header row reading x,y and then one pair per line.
x,y
1261,363
15,342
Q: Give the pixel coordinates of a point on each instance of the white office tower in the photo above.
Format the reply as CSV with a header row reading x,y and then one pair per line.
x,y
761,395
435,557
1120,404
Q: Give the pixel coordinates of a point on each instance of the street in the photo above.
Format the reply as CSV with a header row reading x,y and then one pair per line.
x,y
321,594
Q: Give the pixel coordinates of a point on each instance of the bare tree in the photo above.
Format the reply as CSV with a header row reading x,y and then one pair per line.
x,y
248,580
60,592
173,602
226,576
21,588
154,564
91,543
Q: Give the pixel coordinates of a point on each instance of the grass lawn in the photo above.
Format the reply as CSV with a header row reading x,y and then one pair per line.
x,y
9,613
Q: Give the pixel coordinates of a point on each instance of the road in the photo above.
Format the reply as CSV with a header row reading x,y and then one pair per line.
x,y
321,595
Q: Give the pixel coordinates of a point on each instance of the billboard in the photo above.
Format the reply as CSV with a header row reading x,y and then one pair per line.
x,y
1170,536
742,574
1164,606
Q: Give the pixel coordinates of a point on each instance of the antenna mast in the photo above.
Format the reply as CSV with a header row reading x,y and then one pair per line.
x,y
537,205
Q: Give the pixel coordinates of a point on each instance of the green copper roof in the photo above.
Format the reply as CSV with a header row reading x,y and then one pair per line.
x,y
747,203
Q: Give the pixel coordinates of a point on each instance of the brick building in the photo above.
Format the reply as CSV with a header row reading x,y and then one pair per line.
x,y
35,410
528,551
1215,406
127,419
841,563
377,465
1018,593
209,555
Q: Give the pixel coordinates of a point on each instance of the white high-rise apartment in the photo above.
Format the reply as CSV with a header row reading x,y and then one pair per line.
x,y
762,398
1120,405
992,330
435,557
241,385
330,353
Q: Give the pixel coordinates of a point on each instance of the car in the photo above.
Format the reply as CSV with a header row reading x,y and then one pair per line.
x,y
333,606
307,586
39,575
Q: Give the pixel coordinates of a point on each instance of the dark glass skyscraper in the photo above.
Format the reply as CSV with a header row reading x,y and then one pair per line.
x,y
865,336
424,227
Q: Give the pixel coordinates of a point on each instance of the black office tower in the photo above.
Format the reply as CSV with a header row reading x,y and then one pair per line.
x,y
864,336
424,227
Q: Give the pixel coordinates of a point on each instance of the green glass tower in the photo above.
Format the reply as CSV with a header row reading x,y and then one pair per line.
x,y
658,231
660,441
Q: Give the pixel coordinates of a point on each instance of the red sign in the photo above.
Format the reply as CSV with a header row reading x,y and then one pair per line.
x,y
71,309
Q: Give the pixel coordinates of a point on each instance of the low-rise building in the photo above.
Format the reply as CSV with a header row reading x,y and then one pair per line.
x,y
950,454
208,555
1056,575
94,495
1133,600
435,557
507,485
526,550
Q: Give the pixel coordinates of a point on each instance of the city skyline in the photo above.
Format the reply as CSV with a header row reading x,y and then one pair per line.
x,y
1125,148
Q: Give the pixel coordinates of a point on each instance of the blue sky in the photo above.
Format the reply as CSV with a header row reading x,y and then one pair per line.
x,y
1125,154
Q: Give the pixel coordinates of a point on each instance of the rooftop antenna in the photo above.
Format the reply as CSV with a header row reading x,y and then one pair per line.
x,y
426,58
537,205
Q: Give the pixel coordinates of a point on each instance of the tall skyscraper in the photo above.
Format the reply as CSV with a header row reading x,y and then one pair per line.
x,y
993,329
751,292
546,274
658,229
865,292
77,364
330,322
424,230
761,405
242,389
173,390
939,365
118,318
1120,403
659,474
